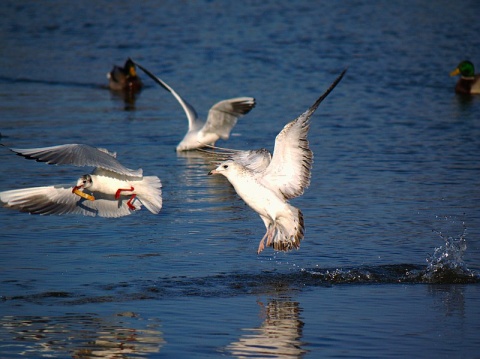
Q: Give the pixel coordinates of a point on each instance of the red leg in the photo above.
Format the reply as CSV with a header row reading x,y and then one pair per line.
x,y
129,203
120,190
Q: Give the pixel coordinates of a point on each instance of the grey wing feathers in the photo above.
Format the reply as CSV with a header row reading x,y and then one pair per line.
x,y
59,199
254,160
78,155
290,169
224,115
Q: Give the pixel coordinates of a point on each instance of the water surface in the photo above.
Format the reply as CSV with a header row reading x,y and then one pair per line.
x,y
389,264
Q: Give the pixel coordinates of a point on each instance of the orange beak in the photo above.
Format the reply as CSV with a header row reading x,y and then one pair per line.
x,y
82,194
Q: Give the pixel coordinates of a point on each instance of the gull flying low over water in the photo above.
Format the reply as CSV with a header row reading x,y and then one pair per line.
x,y
220,121
111,190
266,182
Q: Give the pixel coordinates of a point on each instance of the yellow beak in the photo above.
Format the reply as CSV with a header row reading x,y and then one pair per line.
x,y
455,72
83,194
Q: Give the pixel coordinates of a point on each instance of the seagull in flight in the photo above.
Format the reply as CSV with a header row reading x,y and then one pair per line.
x,y
220,121
111,190
267,182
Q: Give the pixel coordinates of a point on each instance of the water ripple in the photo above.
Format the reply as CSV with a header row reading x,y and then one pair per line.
x,y
234,284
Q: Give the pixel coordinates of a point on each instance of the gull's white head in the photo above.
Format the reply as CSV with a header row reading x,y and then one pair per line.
x,y
84,182
225,168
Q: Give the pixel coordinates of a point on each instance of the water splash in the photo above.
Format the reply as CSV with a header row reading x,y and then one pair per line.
x,y
446,264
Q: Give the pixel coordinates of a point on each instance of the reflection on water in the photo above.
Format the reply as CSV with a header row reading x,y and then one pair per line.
x,y
197,163
124,335
127,97
279,335
194,174
386,162
449,299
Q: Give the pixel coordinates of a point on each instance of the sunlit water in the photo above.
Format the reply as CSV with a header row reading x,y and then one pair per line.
x,y
389,265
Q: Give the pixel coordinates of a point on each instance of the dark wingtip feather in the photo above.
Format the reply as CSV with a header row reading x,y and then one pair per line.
x,y
327,92
151,75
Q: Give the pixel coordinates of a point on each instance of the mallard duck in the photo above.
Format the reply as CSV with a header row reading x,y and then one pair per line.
x,y
124,78
469,83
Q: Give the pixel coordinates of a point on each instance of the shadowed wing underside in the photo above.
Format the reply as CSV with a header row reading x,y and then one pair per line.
x,y
78,155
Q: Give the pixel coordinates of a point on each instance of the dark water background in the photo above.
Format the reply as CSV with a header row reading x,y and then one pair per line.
x,y
389,265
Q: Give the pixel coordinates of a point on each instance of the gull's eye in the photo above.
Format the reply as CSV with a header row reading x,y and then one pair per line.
x,y
225,166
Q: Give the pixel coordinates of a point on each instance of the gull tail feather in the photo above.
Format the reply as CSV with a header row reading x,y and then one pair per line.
x,y
149,192
289,230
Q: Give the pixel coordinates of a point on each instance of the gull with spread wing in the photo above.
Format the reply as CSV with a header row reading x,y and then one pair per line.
x,y
222,117
111,190
267,182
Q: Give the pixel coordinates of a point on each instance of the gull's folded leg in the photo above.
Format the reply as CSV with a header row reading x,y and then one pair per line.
x,y
268,238
261,245
271,234
129,203
120,190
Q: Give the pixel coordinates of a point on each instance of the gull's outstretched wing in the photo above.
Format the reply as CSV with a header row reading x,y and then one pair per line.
x,y
189,110
224,115
59,199
78,155
290,169
254,160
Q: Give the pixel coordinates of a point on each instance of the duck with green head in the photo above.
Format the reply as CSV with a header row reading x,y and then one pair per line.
x,y
124,78
469,83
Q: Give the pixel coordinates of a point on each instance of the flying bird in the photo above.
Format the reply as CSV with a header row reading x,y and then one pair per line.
x,y
469,82
267,182
124,78
222,117
111,190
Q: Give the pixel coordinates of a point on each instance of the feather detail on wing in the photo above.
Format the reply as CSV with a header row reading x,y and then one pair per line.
x,y
223,116
289,171
254,160
58,200
78,155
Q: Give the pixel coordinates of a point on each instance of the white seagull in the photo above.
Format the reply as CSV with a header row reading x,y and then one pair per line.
x,y
266,182
111,190
221,118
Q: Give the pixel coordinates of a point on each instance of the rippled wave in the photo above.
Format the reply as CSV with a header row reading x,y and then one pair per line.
x,y
233,284
444,266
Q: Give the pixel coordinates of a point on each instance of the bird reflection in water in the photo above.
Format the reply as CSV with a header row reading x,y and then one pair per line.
x,y
279,336
82,336
193,175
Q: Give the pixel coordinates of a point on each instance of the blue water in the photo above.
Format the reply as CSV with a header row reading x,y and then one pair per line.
x,y
390,261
